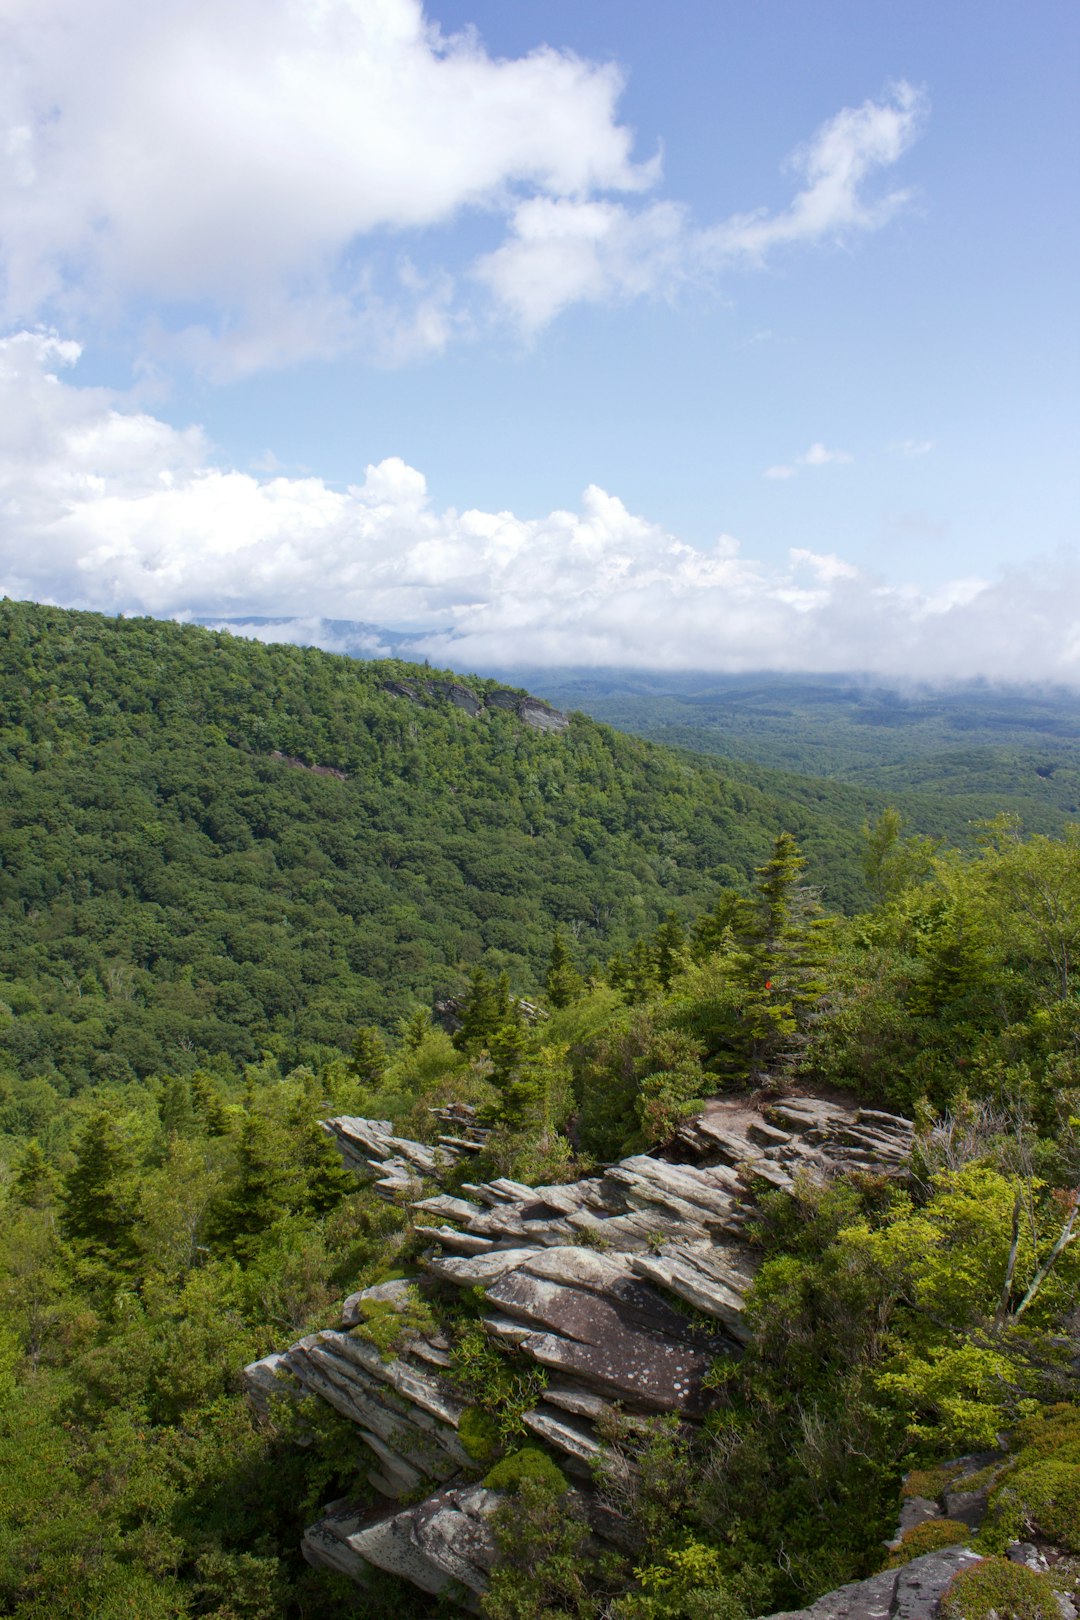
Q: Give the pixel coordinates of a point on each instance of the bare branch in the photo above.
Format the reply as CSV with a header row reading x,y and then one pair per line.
x,y
1010,1269
1066,1236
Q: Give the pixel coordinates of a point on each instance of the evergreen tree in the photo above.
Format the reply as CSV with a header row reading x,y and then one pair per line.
x,y
778,961
99,1196
35,1181
263,1191
415,1029
323,1179
369,1057
207,1103
669,950
563,984
714,931
486,1007
175,1108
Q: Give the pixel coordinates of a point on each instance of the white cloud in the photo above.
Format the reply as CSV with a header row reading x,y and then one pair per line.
x,y
834,164
106,507
564,252
816,456
912,448
260,177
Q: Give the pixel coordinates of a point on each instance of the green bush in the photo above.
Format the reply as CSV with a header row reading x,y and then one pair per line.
x,y
690,1583
928,1537
1042,1500
530,1463
930,1482
1040,1493
997,1590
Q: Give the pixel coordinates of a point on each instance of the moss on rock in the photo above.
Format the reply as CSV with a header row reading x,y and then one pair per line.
x,y
530,1463
928,1537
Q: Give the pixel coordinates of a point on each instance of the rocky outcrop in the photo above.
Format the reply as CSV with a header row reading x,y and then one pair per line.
x,y
303,765
623,1289
531,711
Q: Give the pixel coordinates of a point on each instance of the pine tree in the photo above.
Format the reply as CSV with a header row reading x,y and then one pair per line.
x,y
638,976
323,1179
368,1058
778,961
485,1007
563,983
99,1196
264,1189
207,1103
175,1109
714,932
669,950
35,1181
415,1029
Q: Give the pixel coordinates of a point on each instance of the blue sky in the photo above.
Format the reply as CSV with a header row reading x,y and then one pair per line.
x,y
705,335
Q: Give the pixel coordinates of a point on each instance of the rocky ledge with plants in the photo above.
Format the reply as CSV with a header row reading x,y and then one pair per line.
x,y
566,1315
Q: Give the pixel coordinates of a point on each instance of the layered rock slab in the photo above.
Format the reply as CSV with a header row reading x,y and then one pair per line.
x,y
624,1287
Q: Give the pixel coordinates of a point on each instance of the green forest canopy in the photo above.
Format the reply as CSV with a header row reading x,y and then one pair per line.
x,y
175,884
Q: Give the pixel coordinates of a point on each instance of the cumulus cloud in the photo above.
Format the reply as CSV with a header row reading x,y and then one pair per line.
x,y
559,253
264,178
834,165
816,456
103,506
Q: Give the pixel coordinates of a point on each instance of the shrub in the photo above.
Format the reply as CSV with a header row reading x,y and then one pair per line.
x,y
503,1381
690,1583
930,1482
530,1463
995,1589
1040,1494
542,1566
389,1324
928,1537
1042,1500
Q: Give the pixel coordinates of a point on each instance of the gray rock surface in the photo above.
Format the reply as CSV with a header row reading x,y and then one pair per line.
x,y
911,1592
625,1287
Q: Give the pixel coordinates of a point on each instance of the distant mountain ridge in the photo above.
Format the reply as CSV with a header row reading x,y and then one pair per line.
x,y
977,743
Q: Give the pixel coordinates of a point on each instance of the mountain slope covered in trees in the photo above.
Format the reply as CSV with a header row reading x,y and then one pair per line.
x,y
941,753
175,882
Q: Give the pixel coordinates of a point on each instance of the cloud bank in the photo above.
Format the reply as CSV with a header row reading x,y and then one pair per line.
x,y
103,506
269,180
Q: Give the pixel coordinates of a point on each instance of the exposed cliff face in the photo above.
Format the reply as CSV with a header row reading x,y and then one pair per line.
x,y
589,1281
530,711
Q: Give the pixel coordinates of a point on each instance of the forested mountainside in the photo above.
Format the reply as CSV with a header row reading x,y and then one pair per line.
x,y
214,846
216,948
940,753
